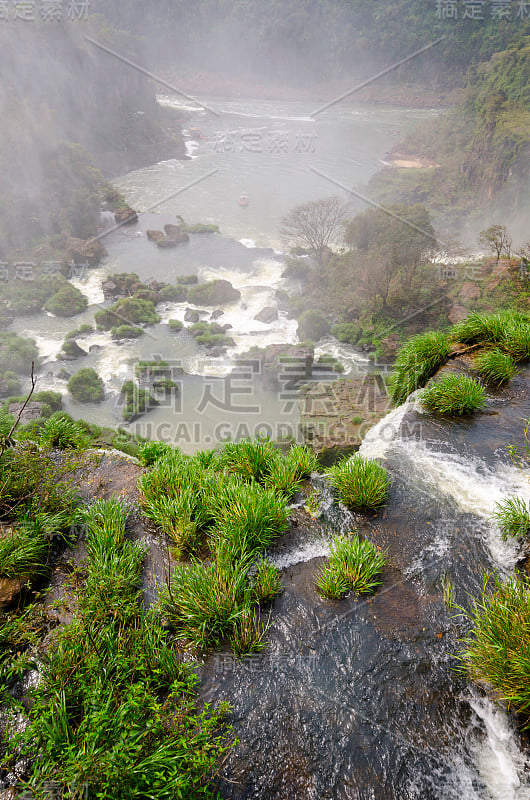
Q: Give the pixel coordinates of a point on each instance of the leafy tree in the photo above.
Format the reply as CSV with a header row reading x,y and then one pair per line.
x,y
498,239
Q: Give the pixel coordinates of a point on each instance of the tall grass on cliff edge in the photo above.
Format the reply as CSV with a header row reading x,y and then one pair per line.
x,y
497,650
417,361
114,711
508,330
454,395
495,366
361,482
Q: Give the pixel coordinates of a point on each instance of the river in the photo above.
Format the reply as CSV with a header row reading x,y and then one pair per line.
x,y
266,149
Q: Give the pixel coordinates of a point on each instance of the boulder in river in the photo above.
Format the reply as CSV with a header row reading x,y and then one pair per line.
x,y
32,411
86,251
216,314
267,315
126,216
191,315
214,293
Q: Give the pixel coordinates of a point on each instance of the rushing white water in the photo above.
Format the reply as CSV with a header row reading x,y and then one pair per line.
x,y
90,284
500,762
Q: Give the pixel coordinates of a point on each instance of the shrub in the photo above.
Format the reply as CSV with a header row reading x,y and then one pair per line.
x,y
354,565
173,294
128,311
9,383
86,386
175,325
17,354
312,325
213,293
127,332
52,399
347,332
454,395
137,401
64,434
496,367
417,361
66,302
513,517
498,647
362,483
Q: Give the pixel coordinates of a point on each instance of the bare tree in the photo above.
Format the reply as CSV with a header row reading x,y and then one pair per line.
x,y
496,238
315,225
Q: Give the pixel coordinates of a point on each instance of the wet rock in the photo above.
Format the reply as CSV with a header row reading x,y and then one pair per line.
x,y
110,290
95,348
216,314
390,346
267,315
191,315
164,243
71,350
214,293
126,216
89,251
10,588
154,236
32,411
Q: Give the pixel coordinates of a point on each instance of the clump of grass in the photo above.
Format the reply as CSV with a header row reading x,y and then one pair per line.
x,y
64,434
114,710
203,603
417,361
247,633
454,394
497,651
248,517
267,581
149,452
283,477
180,518
354,565
251,460
513,517
483,328
304,461
361,482
496,367
331,583
22,554
508,330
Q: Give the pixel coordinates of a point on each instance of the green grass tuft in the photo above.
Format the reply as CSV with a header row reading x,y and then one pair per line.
x,y
497,651
417,361
454,394
362,483
354,565
64,434
267,581
513,517
496,367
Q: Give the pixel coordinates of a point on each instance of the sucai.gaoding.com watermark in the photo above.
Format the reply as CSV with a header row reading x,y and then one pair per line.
x,y
481,10
44,10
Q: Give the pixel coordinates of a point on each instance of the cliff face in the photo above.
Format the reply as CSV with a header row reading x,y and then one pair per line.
x,y
57,87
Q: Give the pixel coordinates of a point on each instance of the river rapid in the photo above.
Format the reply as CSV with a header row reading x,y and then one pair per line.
x,y
266,149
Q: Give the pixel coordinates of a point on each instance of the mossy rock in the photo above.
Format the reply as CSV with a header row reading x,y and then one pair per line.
x,y
66,302
213,293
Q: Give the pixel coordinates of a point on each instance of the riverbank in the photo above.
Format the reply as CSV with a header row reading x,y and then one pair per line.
x,y
215,84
